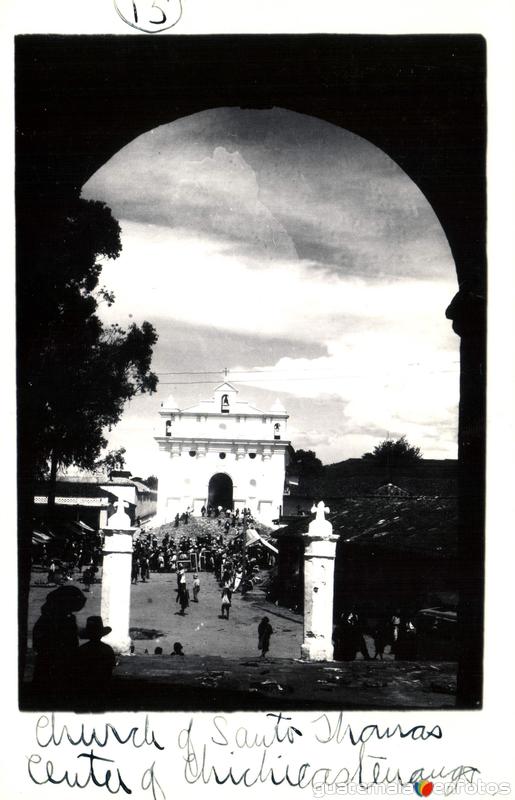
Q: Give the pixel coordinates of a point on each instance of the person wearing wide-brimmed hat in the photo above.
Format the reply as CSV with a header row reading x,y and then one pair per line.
x,y
55,642
95,662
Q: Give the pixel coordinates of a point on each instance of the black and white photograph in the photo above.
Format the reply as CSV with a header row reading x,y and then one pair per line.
x,y
251,372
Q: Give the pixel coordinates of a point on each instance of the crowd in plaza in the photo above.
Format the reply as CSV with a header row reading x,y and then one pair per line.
x,y
220,553
62,558
187,551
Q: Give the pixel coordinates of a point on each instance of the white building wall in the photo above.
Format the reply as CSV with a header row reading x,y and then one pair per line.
x,y
122,492
258,482
244,426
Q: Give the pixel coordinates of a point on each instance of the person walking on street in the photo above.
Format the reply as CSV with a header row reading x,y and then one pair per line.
x,y
237,579
135,569
183,598
196,587
144,569
264,633
226,602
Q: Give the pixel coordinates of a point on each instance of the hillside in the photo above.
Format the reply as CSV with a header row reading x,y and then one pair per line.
x,y
358,477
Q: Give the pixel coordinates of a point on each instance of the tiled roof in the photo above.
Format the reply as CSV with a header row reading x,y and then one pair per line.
x,y
65,488
102,480
421,524
143,488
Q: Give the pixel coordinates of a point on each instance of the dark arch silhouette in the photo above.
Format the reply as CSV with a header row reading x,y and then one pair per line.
x,y
421,99
220,491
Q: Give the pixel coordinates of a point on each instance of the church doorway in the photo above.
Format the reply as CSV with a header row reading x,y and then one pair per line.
x,y
220,491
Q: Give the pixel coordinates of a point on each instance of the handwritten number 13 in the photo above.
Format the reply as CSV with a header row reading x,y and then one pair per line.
x,y
152,21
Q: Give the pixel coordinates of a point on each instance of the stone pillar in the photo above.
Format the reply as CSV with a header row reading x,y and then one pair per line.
x,y
116,579
468,314
319,554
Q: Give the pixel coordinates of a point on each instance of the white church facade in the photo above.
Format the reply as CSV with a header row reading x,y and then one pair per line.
x,y
221,452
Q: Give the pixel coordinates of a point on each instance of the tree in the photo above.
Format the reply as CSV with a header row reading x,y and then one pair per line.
x,y
390,453
78,374
114,459
151,482
74,375
304,463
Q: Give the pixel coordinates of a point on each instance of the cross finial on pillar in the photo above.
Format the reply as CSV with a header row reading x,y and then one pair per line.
x,y
120,519
320,510
320,526
319,555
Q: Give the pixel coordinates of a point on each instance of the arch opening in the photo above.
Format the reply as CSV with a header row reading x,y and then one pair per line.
x,y
338,219
220,491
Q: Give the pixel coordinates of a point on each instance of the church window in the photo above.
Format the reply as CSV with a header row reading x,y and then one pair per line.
x,y
221,455
193,453
252,455
252,481
224,406
277,431
168,427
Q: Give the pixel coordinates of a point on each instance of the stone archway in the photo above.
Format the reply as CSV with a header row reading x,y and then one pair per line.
x,y
220,491
438,132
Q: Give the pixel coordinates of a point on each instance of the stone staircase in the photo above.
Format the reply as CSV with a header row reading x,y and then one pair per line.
x,y
201,526
196,526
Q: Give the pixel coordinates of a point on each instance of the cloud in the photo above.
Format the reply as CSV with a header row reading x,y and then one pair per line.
x,y
171,274
281,184
214,196
272,240
390,359
381,395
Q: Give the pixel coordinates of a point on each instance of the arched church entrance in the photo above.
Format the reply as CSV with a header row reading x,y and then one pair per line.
x,y
220,491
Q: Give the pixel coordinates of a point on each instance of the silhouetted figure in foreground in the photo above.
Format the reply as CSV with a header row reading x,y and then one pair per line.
x,y
348,638
95,663
55,642
177,649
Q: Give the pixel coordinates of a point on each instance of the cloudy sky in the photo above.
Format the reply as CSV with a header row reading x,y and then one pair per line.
x,y
296,255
